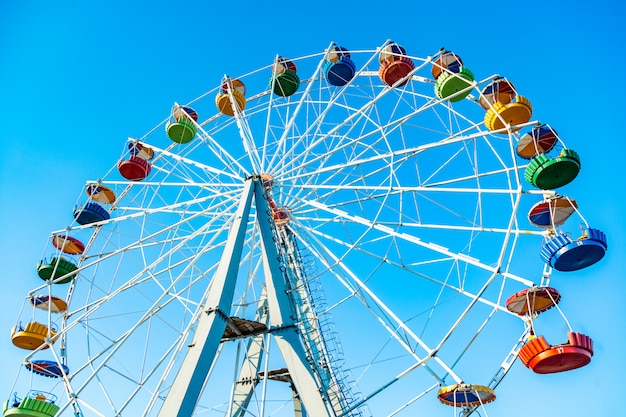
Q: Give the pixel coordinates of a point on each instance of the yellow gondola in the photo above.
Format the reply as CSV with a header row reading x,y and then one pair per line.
x,y
32,336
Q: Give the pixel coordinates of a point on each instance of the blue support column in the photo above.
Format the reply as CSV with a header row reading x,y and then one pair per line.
x,y
282,315
187,387
183,396
249,372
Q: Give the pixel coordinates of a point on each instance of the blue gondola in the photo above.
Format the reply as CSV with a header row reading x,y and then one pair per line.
x,y
564,254
49,369
339,69
90,213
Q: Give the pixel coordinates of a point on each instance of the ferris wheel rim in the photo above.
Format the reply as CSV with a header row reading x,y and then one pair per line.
x,y
315,191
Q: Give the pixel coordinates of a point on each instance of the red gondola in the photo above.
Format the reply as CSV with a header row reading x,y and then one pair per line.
x,y
543,358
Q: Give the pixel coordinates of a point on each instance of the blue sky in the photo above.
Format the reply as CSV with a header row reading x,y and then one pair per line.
x,y
80,77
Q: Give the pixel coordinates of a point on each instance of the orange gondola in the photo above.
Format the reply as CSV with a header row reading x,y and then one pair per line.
x,y
543,358
533,300
100,193
68,244
395,66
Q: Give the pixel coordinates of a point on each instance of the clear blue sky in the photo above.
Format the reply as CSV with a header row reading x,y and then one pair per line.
x,y
78,77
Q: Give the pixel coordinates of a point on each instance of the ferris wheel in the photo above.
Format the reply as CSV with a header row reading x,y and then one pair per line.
x,y
346,233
